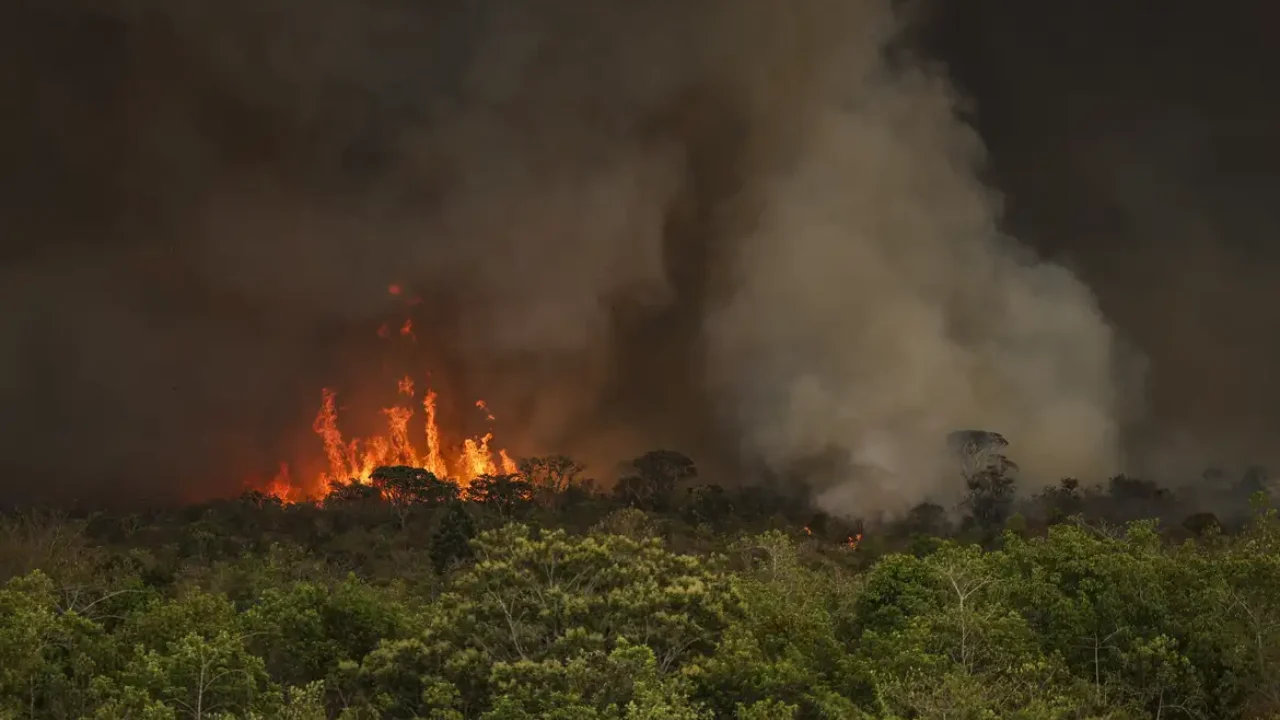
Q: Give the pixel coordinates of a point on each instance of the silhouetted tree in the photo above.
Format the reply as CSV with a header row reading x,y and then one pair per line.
x,y
351,491
403,485
1127,489
506,494
989,476
551,477
1061,501
1201,522
650,479
926,519
260,500
451,543
708,504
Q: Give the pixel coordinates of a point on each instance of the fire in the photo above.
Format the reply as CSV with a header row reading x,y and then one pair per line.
x,y
854,541
807,531
281,486
356,459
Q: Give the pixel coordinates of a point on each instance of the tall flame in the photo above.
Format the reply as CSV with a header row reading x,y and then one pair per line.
x,y
356,459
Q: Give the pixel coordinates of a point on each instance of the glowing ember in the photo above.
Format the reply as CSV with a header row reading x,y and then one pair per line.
x,y
854,541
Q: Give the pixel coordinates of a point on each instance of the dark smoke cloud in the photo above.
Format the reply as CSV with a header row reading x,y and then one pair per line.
x,y
1141,147
749,229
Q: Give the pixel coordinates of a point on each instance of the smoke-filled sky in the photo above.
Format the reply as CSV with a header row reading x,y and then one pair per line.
x,y
751,230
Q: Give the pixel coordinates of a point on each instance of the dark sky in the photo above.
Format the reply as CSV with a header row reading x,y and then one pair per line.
x,y
1134,141
1140,142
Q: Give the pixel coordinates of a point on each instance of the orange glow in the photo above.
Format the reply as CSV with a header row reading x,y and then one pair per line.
x,y
357,458
854,541
807,531
281,486
408,440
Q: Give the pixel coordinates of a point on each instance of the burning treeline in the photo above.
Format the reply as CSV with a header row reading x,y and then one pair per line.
x,y
357,459
405,443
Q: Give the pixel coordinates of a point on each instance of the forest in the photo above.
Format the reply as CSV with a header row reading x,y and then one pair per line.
x,y
545,594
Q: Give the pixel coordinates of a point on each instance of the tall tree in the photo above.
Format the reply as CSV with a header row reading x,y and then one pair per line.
x,y
989,476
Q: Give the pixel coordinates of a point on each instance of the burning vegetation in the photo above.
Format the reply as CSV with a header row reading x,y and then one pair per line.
x,y
404,443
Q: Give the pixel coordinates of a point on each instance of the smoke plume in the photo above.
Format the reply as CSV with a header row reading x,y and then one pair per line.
x,y
747,229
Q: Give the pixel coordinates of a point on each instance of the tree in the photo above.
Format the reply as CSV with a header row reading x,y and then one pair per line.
x,y
926,519
190,653
403,486
507,494
304,631
551,477
1062,501
450,544
352,491
27,618
1201,523
988,474
545,610
623,684
943,640
707,505
526,592
786,654
649,480
407,487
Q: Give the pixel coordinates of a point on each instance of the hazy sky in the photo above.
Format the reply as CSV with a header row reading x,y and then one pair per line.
x,y
1142,147
749,232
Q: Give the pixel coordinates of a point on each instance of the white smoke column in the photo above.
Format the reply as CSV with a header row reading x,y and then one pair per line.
x,y
876,307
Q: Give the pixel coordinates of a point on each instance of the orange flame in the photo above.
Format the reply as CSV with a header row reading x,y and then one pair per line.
x,y
807,531
281,486
356,459
854,541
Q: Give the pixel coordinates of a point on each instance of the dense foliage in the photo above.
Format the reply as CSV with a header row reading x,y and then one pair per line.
x,y
540,596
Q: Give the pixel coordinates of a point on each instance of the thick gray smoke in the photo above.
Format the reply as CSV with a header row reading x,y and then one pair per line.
x,y
748,229
876,306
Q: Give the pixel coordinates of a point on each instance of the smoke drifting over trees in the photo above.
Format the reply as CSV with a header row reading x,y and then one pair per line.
x,y
753,230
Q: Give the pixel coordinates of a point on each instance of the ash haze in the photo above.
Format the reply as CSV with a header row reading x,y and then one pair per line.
x,y
753,231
